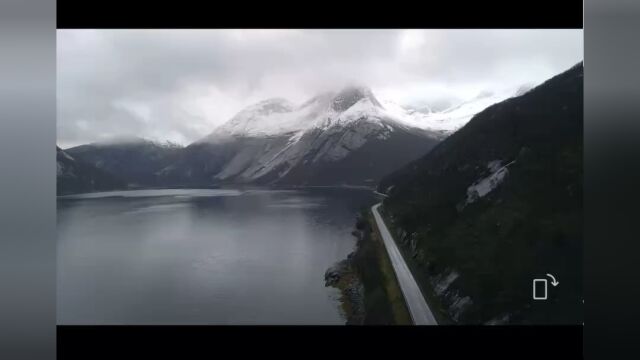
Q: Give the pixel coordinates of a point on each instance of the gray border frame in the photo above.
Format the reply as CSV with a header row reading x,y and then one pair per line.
x,y
27,179
611,177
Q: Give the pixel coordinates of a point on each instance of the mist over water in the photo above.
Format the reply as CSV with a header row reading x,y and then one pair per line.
x,y
203,256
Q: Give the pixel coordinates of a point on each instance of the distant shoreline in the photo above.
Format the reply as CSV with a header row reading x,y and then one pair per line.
x,y
232,187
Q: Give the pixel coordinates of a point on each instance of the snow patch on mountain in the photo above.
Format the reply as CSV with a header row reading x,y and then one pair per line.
x,y
446,121
266,118
67,156
364,108
279,117
485,185
275,135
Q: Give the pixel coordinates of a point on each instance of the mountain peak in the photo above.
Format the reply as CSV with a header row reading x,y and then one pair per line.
x,y
350,95
321,99
267,117
270,106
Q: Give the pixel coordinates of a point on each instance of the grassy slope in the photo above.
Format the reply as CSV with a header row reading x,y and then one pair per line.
x,y
394,295
438,309
370,266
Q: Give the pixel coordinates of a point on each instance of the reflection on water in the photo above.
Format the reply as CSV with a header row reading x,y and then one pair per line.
x,y
203,256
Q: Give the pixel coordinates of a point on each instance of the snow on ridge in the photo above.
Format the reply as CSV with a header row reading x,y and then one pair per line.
x,y
443,284
268,117
288,119
363,108
448,120
64,153
494,165
279,117
324,137
483,186
350,95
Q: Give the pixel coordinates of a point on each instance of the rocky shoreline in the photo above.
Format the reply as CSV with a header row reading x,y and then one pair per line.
x,y
356,279
369,292
344,277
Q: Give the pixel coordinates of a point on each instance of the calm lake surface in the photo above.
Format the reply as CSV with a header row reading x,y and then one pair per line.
x,y
218,256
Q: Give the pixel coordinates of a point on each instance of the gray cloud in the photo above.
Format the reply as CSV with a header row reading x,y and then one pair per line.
x,y
179,85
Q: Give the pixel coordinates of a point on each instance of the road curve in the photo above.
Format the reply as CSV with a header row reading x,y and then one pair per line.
x,y
418,308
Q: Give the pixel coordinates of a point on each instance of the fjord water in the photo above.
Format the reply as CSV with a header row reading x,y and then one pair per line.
x,y
214,256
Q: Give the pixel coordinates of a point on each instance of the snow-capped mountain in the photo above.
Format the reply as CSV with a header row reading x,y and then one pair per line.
x,y
333,138
275,117
344,137
449,120
266,118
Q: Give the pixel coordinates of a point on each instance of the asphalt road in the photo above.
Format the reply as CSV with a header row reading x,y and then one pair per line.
x,y
418,308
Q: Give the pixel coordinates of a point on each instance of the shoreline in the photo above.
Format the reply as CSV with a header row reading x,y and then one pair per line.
x,y
370,294
229,187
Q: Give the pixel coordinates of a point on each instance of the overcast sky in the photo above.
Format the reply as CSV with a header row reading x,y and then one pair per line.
x,y
178,85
